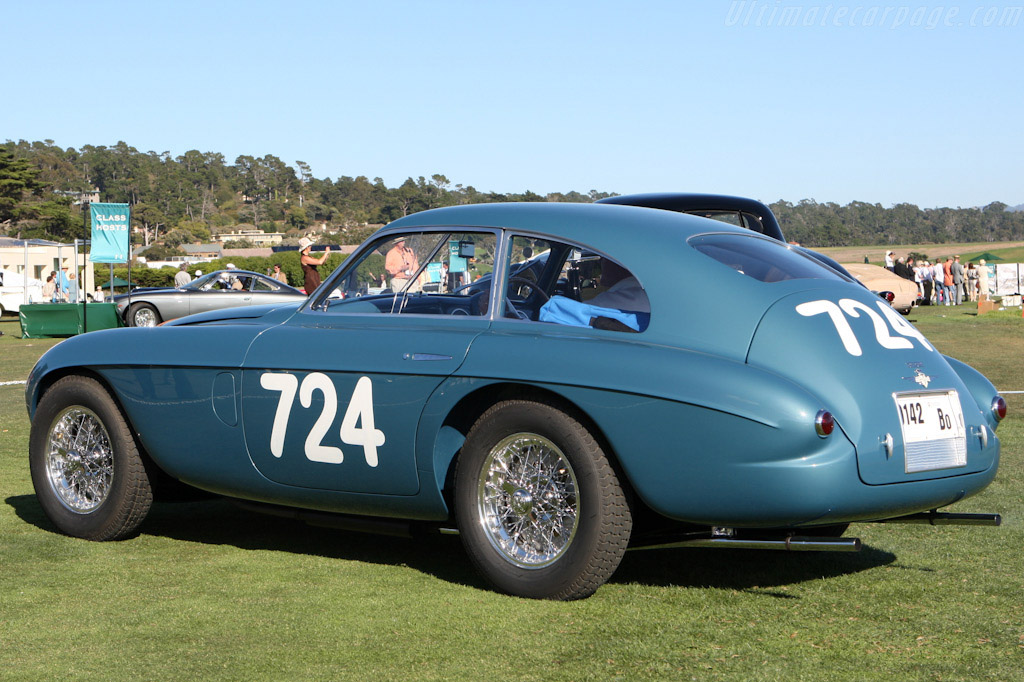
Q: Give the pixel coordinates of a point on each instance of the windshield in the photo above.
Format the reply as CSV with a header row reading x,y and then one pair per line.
x,y
200,282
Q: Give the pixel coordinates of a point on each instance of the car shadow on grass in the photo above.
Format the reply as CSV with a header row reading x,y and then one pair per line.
x,y
750,570
219,522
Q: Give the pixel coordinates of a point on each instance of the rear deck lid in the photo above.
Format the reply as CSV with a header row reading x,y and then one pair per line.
x,y
897,399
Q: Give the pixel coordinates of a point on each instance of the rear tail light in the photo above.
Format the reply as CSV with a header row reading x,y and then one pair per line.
x,y
999,408
824,423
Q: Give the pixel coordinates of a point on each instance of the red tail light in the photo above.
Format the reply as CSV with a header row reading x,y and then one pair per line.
x,y
824,423
999,408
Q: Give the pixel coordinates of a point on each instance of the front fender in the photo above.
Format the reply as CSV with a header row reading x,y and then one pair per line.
x,y
211,346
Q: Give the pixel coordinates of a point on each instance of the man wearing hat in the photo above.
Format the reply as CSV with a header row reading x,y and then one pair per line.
x,y
401,264
64,284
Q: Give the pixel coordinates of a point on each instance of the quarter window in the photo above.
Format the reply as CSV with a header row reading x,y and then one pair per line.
x,y
566,284
763,259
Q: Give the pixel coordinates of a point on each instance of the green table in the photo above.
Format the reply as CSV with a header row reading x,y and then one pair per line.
x,y
48,320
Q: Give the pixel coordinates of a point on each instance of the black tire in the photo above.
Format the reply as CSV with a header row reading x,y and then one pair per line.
x,y
577,514
143,315
98,488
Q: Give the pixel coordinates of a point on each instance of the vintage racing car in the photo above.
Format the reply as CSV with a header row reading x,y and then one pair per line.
x,y
550,381
149,307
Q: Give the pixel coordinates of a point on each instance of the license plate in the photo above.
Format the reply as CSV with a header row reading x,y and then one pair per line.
x,y
933,430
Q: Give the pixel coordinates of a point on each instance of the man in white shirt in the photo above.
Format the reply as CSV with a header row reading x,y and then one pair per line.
x,y
926,282
938,277
181,278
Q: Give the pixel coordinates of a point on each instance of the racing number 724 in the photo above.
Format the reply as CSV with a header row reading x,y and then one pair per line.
x,y
357,427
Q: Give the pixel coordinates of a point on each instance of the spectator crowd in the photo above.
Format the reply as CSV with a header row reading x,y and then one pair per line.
x,y
940,283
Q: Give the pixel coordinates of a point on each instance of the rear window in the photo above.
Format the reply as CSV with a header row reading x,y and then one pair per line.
x,y
765,260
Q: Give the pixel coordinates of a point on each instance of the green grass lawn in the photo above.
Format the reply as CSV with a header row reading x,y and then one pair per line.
x,y
207,591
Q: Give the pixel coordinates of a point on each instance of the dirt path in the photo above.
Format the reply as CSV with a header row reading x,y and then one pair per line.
x,y
876,254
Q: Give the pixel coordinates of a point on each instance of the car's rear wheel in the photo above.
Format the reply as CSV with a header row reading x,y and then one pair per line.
x,y
86,469
539,508
143,315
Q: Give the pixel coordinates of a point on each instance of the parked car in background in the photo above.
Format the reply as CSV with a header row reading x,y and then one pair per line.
x,y
906,295
214,291
12,291
739,211
584,403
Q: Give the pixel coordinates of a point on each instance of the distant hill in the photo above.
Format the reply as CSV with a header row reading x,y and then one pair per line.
x,y
1019,207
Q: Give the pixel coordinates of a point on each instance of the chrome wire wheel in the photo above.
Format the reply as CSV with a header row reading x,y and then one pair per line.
x,y
528,500
79,460
144,316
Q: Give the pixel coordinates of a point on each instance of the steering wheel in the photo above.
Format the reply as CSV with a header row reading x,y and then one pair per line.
x,y
532,285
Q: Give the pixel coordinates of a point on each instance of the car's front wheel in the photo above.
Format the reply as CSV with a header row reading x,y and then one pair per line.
x,y
86,469
143,315
539,507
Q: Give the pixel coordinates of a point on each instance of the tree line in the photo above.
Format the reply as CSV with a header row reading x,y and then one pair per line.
x,y
184,199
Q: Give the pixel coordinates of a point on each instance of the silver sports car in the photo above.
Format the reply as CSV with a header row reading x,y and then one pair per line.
x,y
221,289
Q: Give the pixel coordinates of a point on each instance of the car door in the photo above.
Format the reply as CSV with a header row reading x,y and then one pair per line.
x,y
331,399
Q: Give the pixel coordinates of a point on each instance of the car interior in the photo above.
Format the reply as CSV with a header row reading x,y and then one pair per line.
x,y
454,272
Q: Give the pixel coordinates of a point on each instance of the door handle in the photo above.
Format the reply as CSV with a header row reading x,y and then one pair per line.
x,y
419,357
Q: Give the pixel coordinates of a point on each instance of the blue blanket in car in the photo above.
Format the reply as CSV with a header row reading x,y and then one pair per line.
x,y
562,310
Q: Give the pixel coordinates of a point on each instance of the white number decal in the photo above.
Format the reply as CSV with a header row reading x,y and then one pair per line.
x,y
885,340
902,326
316,451
357,427
286,383
846,334
360,408
849,307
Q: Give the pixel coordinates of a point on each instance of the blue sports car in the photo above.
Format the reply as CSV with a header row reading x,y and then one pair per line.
x,y
556,383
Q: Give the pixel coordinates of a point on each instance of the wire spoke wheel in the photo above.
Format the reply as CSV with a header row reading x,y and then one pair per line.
x,y
528,500
539,507
86,468
79,460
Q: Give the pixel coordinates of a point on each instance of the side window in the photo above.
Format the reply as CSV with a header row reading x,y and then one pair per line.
x,y
565,284
730,217
752,222
423,273
264,285
218,282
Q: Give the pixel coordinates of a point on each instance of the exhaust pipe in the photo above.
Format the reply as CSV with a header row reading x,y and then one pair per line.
x,y
935,518
794,543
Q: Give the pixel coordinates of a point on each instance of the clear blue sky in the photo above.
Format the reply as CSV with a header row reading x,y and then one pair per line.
x,y
775,99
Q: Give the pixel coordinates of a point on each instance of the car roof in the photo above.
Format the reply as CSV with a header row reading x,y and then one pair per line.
x,y
686,201
652,244
682,201
608,228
